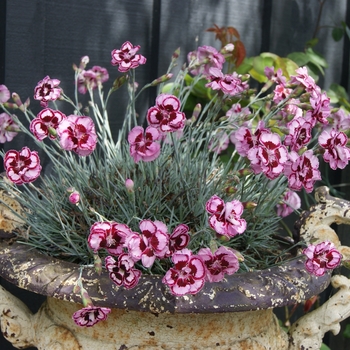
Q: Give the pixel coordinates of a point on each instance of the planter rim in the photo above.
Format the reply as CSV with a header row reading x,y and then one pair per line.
x,y
282,285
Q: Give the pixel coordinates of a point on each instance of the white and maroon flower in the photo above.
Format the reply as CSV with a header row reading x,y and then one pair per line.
x,y
341,120
91,78
268,156
302,171
151,244
230,84
4,94
166,115
337,154
223,261
77,134
179,239
122,272
188,274
143,145
23,166
46,123
244,139
7,128
300,133
226,217
320,103
47,90
126,58
303,78
204,58
322,257
109,235
291,202
90,315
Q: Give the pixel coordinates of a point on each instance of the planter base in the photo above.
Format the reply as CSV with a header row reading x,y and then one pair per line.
x,y
52,328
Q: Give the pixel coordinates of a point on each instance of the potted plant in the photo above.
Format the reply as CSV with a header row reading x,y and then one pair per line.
x,y
169,227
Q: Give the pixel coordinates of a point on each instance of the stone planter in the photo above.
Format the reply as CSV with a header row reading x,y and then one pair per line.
x,y
233,314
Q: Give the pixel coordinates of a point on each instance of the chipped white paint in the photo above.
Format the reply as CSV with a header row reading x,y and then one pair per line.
x,y
52,328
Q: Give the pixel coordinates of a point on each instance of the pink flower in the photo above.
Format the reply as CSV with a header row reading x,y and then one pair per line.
x,y
322,257
143,145
89,316
223,261
166,115
90,79
47,90
275,77
291,202
237,111
122,272
77,134
320,103
4,94
300,133
22,167
269,156
188,274
302,171
203,59
336,153
341,120
7,128
219,142
303,78
151,244
244,139
109,235
281,93
127,58
226,217
74,197
179,239
230,84
46,123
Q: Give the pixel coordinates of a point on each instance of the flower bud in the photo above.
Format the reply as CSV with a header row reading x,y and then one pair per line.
x,y
18,101
119,82
244,172
249,205
227,48
74,197
161,79
83,62
97,264
230,189
175,55
129,184
85,298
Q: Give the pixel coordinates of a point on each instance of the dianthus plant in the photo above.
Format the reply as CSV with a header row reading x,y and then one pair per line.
x,y
191,191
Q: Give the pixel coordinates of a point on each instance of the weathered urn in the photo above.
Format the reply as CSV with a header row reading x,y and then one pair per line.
x,y
233,314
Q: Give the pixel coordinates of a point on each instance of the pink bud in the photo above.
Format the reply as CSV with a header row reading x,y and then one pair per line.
x,y
83,62
228,48
129,184
74,197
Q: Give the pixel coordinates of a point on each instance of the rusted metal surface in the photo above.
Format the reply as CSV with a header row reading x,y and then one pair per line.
x,y
281,285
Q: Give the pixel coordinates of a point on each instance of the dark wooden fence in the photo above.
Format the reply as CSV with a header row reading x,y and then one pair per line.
x,y
44,37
